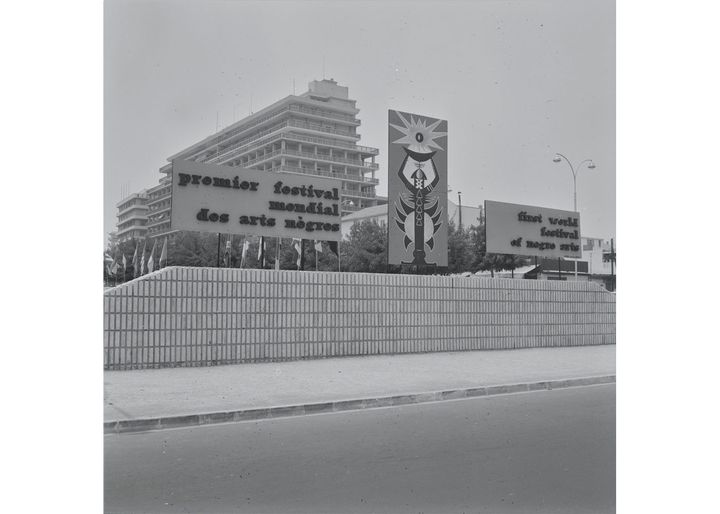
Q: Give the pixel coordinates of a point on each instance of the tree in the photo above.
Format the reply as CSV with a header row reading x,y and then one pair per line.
x,y
126,248
365,249
460,249
492,262
513,262
194,249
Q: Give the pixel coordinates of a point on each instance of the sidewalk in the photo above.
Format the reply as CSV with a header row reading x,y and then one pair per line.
x,y
141,398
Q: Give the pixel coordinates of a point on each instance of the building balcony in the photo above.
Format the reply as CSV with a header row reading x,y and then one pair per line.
x,y
321,173
364,166
132,216
273,134
161,198
319,127
331,143
369,166
358,194
155,212
124,231
161,218
347,118
260,139
163,221
134,210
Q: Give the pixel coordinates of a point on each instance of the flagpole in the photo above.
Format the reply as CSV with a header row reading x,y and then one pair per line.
x,y
167,255
242,251
316,259
218,251
277,254
264,252
301,262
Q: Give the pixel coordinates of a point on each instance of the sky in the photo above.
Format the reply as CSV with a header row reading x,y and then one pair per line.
x,y
517,81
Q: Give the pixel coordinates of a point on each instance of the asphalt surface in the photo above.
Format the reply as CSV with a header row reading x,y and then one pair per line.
x,y
539,452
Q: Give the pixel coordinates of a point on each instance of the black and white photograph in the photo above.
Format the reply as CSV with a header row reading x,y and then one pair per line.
x,y
359,256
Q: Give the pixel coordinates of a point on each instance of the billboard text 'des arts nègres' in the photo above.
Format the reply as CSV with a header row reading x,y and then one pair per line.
x,y
236,200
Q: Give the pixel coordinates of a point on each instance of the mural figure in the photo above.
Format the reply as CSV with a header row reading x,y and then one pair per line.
x,y
418,211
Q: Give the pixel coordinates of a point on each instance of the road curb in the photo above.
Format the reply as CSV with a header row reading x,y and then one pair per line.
x,y
161,423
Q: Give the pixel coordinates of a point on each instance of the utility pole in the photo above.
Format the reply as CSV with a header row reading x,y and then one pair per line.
x,y
459,210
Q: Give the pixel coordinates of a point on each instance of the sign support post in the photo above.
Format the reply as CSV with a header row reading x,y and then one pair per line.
x,y
218,251
559,265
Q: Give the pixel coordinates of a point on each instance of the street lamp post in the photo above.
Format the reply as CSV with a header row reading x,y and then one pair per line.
x,y
574,169
591,166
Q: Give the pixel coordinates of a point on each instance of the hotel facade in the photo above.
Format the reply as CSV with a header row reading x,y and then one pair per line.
x,y
314,133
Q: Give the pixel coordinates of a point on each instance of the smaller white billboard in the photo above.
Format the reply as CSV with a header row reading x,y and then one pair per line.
x,y
528,230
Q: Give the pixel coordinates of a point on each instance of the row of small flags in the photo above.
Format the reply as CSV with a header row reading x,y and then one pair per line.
x,y
297,245
141,268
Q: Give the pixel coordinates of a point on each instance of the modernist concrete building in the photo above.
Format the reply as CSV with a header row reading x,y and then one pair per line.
x,y
132,217
314,133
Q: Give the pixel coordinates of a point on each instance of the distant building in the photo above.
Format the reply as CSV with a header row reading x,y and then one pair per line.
x,y
593,266
314,133
132,217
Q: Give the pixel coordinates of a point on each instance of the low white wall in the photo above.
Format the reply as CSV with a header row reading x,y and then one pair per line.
x,y
182,316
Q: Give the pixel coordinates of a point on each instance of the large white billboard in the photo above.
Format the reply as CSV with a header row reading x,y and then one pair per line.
x,y
235,200
528,230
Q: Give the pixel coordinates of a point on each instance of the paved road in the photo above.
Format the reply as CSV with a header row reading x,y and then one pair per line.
x,y
539,452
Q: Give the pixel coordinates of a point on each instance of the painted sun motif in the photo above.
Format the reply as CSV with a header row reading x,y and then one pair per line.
x,y
417,135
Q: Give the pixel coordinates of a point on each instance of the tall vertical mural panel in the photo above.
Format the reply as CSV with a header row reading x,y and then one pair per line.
x,y
417,191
